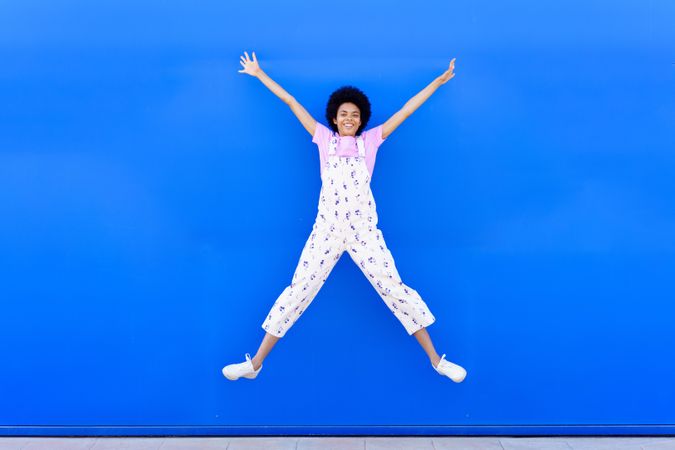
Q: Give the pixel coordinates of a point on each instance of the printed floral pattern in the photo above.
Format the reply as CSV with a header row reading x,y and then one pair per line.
x,y
346,221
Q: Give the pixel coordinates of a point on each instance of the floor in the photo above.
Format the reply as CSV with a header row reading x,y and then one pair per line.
x,y
340,443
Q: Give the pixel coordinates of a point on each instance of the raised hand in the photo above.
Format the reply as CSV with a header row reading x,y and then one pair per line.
x,y
411,105
448,74
251,67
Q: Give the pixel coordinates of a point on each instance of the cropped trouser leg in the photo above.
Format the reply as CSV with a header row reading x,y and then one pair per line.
x,y
369,251
320,254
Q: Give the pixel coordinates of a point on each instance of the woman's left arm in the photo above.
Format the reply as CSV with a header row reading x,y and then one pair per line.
x,y
415,102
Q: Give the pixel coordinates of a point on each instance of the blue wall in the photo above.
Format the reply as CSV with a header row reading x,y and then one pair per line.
x,y
154,203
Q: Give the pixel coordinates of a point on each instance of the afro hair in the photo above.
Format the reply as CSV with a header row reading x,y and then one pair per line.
x,y
348,94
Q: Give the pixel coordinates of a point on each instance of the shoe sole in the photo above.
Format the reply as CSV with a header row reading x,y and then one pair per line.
x,y
228,377
459,380
456,380
250,377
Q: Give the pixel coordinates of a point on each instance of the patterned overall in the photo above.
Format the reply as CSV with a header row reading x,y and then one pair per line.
x,y
346,220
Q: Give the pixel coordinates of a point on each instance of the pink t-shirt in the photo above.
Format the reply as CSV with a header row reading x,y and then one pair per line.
x,y
372,139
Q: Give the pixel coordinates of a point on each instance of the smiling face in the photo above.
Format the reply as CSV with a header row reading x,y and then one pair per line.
x,y
348,119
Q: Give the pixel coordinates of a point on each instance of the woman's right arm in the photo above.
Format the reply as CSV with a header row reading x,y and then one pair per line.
x,y
252,68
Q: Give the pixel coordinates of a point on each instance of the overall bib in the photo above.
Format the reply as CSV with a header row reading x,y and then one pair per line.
x,y
346,220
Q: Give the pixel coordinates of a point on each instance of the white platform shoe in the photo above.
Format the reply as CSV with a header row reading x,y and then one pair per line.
x,y
245,369
453,371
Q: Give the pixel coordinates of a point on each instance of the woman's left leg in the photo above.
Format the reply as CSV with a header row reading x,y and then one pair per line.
x,y
424,339
368,250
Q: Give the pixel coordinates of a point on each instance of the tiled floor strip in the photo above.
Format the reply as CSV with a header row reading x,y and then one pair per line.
x,y
339,443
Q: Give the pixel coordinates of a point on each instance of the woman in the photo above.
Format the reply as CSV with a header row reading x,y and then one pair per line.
x,y
346,220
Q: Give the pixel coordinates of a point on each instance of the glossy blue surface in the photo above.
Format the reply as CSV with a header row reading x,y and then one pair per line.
x,y
154,203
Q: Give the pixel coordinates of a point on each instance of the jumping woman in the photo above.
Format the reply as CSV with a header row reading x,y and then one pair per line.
x,y
346,220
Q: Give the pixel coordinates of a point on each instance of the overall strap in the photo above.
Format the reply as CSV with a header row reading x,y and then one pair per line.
x,y
332,145
361,146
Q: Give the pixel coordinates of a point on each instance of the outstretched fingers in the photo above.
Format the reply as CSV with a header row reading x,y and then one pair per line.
x,y
448,74
250,65
248,58
243,63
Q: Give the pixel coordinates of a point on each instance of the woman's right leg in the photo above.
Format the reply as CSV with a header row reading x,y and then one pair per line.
x,y
322,250
265,347
320,254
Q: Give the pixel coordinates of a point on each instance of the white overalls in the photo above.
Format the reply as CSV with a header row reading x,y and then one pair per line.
x,y
346,220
